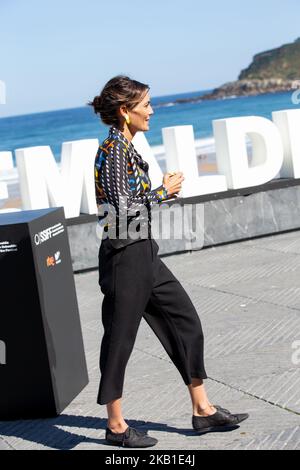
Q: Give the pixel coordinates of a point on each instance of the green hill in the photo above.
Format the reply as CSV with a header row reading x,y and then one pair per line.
x,y
273,71
282,62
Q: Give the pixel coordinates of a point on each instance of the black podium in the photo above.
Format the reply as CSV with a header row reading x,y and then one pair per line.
x,y
42,360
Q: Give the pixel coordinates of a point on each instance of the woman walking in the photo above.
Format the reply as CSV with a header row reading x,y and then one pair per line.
x,y
134,280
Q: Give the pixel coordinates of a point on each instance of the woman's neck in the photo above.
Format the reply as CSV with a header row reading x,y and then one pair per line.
x,y
127,132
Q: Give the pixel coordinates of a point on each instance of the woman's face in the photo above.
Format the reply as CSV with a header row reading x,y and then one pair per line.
x,y
140,115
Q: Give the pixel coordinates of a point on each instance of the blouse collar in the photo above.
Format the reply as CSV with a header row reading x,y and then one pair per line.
x,y
115,132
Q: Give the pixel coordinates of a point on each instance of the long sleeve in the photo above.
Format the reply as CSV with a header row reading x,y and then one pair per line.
x,y
116,183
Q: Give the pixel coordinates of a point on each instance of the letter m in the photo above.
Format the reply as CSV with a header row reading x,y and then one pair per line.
x,y
43,184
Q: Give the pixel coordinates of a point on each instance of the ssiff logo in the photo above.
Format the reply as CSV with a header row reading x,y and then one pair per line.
x,y
53,260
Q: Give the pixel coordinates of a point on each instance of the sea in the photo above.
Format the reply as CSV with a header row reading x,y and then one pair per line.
x,y
55,127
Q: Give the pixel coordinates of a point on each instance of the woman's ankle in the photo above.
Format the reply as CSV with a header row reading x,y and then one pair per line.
x,y
205,409
119,425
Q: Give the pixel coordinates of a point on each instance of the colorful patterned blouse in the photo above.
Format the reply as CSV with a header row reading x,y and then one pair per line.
x,y
123,188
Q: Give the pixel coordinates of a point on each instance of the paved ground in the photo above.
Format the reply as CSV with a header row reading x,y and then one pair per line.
x,y
248,297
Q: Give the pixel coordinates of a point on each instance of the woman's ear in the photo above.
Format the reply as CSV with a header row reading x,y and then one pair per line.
x,y
123,111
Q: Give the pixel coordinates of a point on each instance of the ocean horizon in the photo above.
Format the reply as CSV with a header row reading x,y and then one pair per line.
x,y
55,127
52,128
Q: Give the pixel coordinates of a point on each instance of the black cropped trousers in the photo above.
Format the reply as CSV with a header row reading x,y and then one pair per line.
x,y
136,283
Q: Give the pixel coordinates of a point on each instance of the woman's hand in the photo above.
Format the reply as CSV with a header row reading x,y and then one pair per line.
x,y
172,183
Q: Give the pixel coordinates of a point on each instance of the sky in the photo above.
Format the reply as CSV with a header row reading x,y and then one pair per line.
x,y
58,54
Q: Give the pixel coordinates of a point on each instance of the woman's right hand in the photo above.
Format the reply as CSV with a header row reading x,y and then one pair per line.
x,y
172,182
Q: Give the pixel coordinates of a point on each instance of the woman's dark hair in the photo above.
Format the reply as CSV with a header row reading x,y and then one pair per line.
x,y
118,91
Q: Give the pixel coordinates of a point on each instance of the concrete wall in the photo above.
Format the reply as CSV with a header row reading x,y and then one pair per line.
x,y
221,218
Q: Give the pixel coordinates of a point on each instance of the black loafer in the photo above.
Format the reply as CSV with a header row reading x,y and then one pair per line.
x,y
241,416
218,421
220,408
131,437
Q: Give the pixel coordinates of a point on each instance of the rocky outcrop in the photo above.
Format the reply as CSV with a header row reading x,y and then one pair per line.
x,y
282,62
250,88
272,71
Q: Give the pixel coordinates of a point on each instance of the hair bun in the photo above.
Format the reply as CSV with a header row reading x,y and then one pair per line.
x,y
119,90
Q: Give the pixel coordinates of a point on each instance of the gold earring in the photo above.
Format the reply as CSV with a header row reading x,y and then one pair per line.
x,y
127,119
